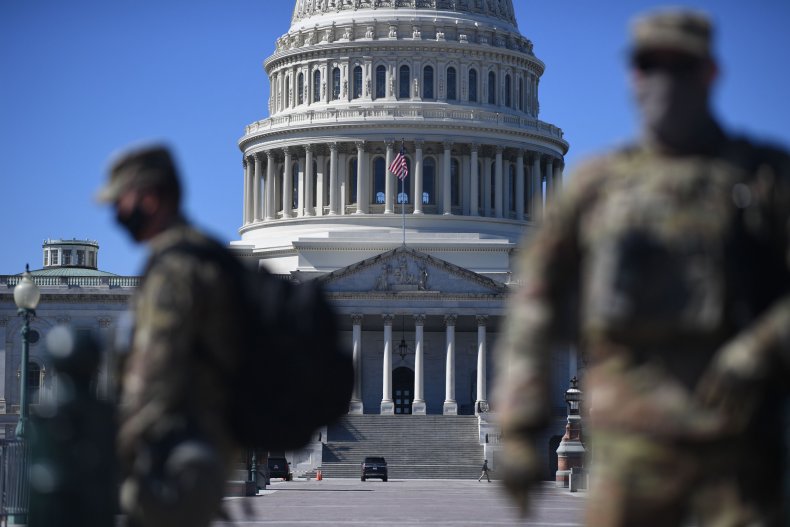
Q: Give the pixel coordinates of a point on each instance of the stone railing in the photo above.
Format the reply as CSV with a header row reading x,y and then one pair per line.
x,y
110,282
341,115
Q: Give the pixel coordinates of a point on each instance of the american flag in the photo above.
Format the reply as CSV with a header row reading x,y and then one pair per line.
x,y
399,166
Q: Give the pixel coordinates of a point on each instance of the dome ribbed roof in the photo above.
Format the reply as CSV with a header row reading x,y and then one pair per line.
x,y
495,9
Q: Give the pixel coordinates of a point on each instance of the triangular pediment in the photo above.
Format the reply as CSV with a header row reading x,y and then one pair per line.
x,y
406,270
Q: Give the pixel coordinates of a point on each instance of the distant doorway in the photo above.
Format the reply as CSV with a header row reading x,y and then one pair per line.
x,y
403,389
554,444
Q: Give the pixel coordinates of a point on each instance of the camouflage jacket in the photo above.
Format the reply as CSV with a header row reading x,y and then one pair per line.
x,y
185,337
653,265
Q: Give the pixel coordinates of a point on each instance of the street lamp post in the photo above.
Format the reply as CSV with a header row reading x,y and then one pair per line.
x,y
26,297
570,454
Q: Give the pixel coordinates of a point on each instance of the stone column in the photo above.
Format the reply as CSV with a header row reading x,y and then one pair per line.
x,y
474,185
361,202
418,144
270,213
247,190
319,188
356,406
549,180
418,405
256,188
287,185
387,406
447,205
301,201
481,362
389,200
520,185
558,177
498,184
333,190
537,190
308,181
450,405
487,187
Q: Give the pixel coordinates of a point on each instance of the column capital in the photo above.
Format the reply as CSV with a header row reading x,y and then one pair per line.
x,y
288,151
388,319
449,320
499,149
419,319
309,148
356,318
269,155
448,145
482,320
257,156
333,147
244,162
361,145
474,147
419,143
390,143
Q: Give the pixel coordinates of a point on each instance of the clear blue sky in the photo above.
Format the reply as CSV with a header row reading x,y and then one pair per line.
x,y
81,78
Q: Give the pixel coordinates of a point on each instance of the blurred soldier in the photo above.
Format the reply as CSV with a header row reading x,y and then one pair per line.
x,y
667,262
174,448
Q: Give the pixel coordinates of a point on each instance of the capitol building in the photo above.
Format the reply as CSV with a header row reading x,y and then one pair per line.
x,y
418,269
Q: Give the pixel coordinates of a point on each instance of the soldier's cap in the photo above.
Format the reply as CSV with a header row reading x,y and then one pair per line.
x,y
139,167
678,30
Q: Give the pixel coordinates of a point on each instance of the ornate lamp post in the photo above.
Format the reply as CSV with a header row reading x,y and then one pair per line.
x,y
26,297
570,453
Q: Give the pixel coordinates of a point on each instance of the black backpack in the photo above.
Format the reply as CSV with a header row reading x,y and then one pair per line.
x,y
293,377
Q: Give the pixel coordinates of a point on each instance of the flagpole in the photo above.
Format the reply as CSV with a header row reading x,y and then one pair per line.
x,y
403,201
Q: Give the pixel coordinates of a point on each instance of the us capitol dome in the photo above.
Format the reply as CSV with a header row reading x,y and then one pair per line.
x,y
451,82
418,270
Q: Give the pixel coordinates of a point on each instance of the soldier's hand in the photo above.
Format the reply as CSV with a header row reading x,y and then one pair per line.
x,y
520,469
734,383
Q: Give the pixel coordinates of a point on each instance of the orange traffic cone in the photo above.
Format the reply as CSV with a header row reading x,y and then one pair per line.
x,y
318,476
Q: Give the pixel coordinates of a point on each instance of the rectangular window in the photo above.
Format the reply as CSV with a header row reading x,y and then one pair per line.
x,y
81,258
67,257
92,259
46,258
54,257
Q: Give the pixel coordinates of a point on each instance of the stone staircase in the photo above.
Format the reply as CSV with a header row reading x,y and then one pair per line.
x,y
415,446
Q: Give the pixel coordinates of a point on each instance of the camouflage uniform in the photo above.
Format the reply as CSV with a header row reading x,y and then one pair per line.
x,y
174,379
670,272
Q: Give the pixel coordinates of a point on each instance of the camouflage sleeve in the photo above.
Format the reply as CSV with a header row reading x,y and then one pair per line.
x,y
760,353
540,313
156,375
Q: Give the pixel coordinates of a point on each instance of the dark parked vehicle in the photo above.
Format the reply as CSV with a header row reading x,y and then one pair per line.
x,y
280,468
374,467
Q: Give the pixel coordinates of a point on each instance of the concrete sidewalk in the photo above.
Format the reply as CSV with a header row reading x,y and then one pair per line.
x,y
349,502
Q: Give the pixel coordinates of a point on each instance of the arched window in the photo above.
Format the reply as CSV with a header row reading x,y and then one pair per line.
x,y
427,82
452,91
294,185
357,82
381,82
317,86
335,84
300,88
429,181
404,83
33,383
472,85
379,181
491,87
508,91
287,94
455,183
351,195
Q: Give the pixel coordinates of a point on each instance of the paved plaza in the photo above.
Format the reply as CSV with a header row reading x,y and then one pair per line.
x,y
400,502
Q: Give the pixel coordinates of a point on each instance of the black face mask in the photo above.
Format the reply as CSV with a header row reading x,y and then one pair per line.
x,y
134,222
674,107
